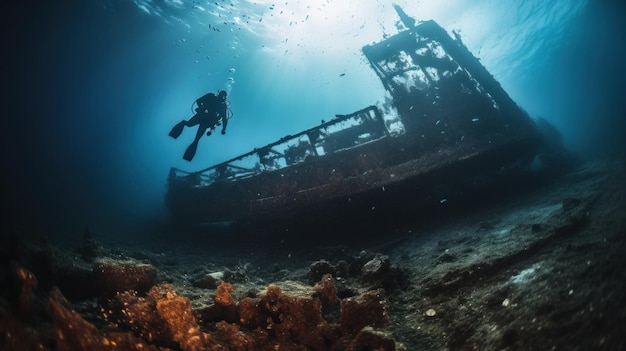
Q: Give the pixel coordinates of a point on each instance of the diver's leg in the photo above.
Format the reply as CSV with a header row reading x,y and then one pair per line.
x,y
195,120
178,129
191,150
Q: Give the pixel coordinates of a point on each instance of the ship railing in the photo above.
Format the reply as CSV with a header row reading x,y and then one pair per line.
x,y
342,132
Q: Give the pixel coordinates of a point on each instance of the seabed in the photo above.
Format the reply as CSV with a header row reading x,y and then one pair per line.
x,y
541,269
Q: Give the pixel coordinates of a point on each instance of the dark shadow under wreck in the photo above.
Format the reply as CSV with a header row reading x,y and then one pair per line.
x,y
449,132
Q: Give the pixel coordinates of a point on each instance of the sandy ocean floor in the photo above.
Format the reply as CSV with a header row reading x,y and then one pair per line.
x,y
544,270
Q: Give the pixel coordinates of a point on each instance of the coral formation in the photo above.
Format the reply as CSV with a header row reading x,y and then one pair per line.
x,y
303,317
114,275
272,321
72,332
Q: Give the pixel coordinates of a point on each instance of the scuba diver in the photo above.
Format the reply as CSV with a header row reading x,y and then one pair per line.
x,y
210,111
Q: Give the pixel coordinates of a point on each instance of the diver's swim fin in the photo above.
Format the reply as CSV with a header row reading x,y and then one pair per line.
x,y
177,130
191,151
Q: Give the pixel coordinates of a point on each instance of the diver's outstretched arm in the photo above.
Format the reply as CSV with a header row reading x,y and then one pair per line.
x,y
224,123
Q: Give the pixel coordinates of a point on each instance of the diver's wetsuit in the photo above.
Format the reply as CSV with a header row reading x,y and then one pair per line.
x,y
211,109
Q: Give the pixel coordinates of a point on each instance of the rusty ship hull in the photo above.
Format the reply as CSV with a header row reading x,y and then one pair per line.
x,y
449,130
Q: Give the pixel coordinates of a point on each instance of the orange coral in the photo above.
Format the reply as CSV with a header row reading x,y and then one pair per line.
x,y
272,321
223,296
74,333
179,320
29,284
327,290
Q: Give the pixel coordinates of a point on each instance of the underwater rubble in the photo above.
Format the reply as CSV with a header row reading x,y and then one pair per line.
x,y
116,302
543,270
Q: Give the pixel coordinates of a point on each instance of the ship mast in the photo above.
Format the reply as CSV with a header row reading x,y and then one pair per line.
x,y
407,20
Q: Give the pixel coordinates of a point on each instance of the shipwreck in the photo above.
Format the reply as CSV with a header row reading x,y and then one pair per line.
x,y
448,130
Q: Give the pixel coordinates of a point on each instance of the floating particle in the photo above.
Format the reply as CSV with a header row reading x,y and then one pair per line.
x,y
232,70
443,201
475,119
506,302
341,75
431,312
438,121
